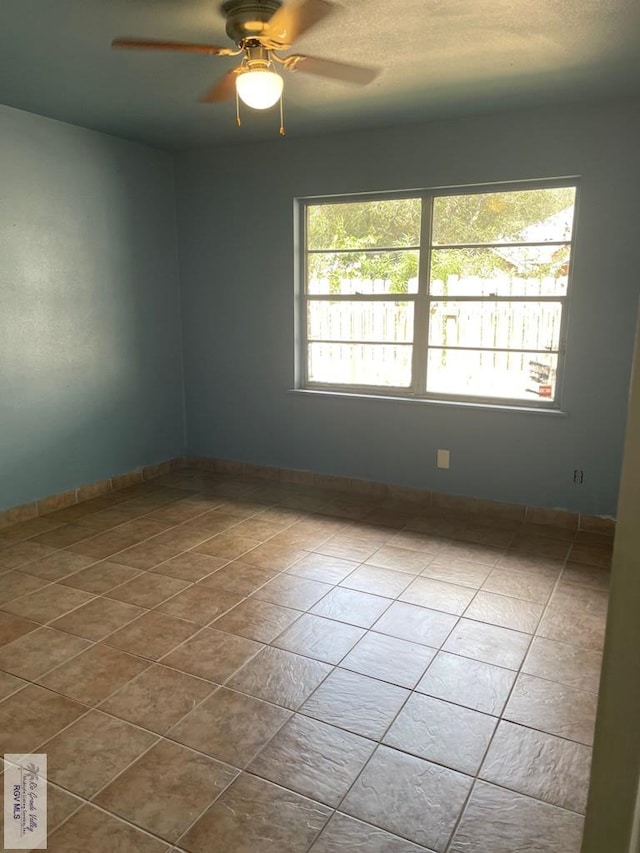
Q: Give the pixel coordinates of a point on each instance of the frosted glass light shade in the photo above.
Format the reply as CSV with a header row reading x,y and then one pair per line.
x,y
259,88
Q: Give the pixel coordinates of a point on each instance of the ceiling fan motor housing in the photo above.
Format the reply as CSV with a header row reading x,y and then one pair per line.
x,y
247,18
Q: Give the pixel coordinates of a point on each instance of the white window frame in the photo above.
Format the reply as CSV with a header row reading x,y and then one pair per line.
x,y
422,299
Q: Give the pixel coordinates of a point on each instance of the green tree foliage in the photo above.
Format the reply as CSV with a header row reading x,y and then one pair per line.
x,y
362,227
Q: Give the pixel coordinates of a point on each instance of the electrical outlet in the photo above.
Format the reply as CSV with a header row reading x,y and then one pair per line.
x,y
443,459
578,476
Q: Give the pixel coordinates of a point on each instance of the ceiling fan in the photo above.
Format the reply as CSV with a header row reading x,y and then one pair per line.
x,y
261,31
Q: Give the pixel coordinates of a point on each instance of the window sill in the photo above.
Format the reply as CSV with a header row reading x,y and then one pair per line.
x,y
458,404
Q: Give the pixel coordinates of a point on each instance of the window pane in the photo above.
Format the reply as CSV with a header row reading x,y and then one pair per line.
x,y
474,373
364,224
360,321
522,216
362,272
501,271
360,364
502,325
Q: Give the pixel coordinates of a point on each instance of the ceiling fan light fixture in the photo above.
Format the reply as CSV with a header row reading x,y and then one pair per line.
x,y
259,88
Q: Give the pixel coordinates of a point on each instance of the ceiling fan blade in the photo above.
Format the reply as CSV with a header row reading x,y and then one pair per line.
x,y
223,90
291,21
155,44
358,74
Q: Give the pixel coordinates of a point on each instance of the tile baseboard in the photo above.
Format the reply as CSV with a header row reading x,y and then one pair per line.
x,y
295,477
425,497
61,500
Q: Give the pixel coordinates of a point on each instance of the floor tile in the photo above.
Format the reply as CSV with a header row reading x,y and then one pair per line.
x,y
484,534
593,576
256,815
100,577
48,603
87,755
22,553
527,585
57,565
145,555
9,684
553,549
348,548
488,643
322,567
553,708
215,521
147,589
389,659
60,806
483,554
280,677
514,561
230,726
344,834
480,686
408,795
564,663
257,620
105,544
355,702
428,592
441,732
152,635
351,606
92,829
505,612
399,559
577,627
237,578
26,529
190,566
378,581
543,766
199,604
414,541
291,591
99,617
416,624
39,651
260,528
271,555
229,545
15,584
503,822
590,555
94,674
313,759
33,715
319,638
212,654
12,627
157,698
285,545
181,782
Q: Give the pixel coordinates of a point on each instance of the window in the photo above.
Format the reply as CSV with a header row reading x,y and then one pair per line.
x,y
443,295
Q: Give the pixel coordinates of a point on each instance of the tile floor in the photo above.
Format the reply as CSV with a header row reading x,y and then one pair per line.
x,y
219,665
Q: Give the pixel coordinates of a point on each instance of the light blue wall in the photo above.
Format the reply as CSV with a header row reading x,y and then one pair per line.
x,y
235,223
90,358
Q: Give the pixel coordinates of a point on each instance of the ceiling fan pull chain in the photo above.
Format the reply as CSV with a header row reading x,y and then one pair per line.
x,y
238,122
282,130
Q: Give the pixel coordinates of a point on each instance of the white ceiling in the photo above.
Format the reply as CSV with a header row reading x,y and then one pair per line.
x,y
438,57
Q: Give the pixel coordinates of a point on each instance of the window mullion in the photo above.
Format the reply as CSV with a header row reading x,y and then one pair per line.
x,y
421,311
